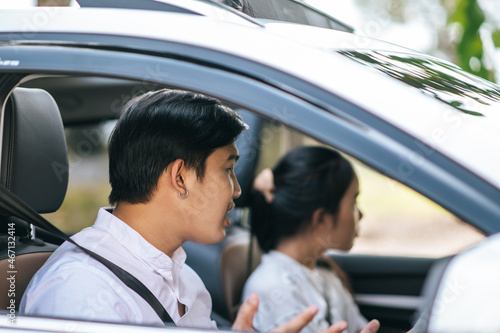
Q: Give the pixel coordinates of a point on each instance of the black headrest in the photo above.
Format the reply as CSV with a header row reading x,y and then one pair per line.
x,y
248,144
34,154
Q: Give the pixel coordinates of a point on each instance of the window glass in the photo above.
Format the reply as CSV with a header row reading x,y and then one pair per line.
x,y
88,186
397,221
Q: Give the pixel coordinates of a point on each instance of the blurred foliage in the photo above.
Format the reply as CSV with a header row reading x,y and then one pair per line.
x,y
495,36
80,207
469,48
86,140
459,28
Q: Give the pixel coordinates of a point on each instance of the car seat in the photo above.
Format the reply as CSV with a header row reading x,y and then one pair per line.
x,y
224,267
467,295
429,292
34,166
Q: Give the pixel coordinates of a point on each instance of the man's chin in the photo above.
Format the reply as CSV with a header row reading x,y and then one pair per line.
x,y
213,240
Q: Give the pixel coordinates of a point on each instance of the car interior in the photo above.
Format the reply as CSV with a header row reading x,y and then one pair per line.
x,y
34,145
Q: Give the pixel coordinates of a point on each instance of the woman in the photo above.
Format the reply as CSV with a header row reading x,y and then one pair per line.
x,y
305,206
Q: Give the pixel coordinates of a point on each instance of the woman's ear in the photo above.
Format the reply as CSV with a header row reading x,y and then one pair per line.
x,y
318,218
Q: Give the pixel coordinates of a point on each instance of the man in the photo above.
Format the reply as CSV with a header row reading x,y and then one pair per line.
x,y
171,168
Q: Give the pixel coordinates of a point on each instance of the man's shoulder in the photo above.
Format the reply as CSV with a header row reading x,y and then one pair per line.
x,y
67,260
70,271
73,285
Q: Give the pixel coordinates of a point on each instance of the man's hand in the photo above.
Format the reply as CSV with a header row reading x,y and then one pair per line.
x,y
247,311
299,322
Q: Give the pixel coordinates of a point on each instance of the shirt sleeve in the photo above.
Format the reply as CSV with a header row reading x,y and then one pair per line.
x,y
80,292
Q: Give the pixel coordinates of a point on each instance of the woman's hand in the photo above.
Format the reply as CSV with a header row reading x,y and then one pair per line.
x,y
264,183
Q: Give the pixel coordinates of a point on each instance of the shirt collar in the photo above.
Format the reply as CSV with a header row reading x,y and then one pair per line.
x,y
287,260
139,247
284,258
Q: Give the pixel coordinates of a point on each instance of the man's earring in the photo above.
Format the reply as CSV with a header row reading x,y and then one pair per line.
x,y
180,196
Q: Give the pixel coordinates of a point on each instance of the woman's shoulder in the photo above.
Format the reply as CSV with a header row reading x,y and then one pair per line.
x,y
268,267
276,271
277,263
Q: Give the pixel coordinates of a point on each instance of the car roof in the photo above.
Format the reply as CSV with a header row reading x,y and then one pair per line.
x,y
289,10
208,8
360,70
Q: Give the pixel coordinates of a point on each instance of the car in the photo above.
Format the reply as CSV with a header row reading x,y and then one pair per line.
x,y
412,118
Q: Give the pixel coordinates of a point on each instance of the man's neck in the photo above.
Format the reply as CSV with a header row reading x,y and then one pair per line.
x,y
154,227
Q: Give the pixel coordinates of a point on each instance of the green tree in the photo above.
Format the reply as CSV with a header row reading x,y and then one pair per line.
x,y
459,28
469,49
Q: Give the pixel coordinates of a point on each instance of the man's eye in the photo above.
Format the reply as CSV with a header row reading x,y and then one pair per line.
x,y
231,169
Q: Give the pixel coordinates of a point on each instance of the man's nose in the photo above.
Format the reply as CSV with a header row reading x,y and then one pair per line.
x,y
237,189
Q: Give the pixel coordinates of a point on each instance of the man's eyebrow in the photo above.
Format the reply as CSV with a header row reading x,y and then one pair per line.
x,y
233,157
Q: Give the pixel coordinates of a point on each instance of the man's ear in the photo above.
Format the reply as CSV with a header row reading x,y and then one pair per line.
x,y
177,175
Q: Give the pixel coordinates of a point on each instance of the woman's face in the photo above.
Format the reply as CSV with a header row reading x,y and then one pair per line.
x,y
344,224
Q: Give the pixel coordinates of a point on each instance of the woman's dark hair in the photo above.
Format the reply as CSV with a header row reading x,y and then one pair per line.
x,y
305,179
159,127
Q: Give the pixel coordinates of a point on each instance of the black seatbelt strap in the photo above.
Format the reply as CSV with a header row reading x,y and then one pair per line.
x,y
13,205
250,252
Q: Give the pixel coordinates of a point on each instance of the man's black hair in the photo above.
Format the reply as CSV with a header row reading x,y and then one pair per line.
x,y
160,127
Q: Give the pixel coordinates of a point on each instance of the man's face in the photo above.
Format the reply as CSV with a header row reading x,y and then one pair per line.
x,y
212,197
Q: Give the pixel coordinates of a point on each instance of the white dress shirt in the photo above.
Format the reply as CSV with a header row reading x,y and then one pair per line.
x,y
71,284
285,288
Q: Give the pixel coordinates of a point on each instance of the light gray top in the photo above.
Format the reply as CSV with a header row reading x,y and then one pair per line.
x,y
285,288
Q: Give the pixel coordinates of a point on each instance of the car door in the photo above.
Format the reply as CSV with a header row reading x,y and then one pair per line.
x,y
284,98
248,93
